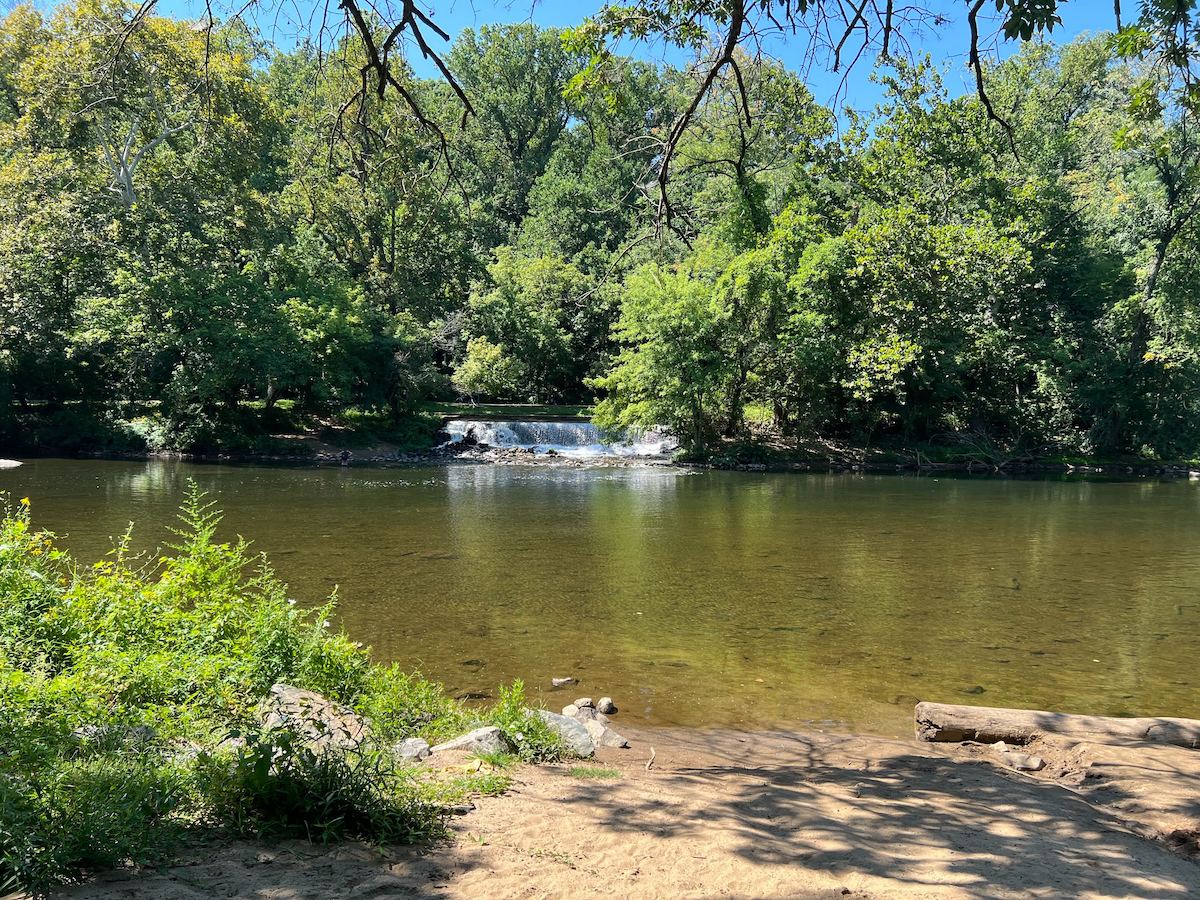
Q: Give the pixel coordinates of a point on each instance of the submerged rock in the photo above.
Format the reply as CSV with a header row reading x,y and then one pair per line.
x,y
319,721
563,682
489,739
573,734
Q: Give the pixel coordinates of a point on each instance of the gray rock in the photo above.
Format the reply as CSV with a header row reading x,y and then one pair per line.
x,y
585,703
1022,762
589,714
573,734
461,809
317,720
489,739
563,682
412,749
570,710
606,705
602,735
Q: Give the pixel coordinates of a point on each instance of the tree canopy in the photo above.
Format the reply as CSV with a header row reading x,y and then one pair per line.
x,y
200,230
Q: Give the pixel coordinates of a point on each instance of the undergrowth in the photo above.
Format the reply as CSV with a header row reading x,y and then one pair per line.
x,y
128,699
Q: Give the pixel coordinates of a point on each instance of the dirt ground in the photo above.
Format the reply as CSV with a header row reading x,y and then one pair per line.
x,y
777,815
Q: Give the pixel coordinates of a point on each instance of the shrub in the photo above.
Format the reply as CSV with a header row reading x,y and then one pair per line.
x,y
275,784
528,733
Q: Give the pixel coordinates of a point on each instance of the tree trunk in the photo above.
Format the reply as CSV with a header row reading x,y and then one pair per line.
x,y
946,722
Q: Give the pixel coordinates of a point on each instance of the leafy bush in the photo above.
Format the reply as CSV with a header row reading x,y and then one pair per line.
x,y
528,733
275,784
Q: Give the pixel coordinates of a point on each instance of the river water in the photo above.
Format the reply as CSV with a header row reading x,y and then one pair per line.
x,y
714,599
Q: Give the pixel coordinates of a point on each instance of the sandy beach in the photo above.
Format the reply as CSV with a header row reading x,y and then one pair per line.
x,y
725,814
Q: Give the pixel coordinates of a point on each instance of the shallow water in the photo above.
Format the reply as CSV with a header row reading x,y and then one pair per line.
x,y
715,599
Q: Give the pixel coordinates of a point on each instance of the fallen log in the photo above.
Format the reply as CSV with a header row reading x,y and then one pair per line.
x,y
948,722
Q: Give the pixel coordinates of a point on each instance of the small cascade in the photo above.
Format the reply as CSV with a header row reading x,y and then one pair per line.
x,y
571,439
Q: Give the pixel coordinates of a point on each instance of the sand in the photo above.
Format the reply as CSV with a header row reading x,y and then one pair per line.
x,y
780,815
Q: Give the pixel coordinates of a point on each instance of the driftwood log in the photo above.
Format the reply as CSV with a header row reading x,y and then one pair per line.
x,y
946,722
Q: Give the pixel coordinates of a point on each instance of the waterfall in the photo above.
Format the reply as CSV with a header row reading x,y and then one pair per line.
x,y
576,439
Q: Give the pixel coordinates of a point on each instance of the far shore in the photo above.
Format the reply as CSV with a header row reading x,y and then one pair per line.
x,y
849,460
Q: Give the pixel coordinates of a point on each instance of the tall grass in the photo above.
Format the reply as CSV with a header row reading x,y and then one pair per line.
x,y
128,692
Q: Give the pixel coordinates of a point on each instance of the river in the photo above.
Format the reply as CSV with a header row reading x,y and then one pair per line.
x,y
712,599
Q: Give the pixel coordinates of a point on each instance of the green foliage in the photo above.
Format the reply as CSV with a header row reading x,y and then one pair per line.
x,y
128,710
489,371
593,772
276,785
203,228
532,738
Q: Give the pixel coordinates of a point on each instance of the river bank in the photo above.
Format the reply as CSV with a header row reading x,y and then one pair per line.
x,y
359,440
766,815
852,460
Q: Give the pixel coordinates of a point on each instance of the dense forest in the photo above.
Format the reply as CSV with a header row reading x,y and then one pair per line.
x,y
203,235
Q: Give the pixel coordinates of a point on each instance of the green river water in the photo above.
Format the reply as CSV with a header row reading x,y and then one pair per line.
x,y
713,599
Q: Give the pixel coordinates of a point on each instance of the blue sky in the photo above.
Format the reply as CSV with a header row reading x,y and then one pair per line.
x,y
947,46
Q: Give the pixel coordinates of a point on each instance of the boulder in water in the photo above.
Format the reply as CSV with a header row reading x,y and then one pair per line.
x,y
606,706
563,682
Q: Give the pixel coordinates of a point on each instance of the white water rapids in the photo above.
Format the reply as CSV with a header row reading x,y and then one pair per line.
x,y
570,439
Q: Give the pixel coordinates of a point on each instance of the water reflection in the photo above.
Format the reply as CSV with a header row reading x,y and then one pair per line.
x,y
718,598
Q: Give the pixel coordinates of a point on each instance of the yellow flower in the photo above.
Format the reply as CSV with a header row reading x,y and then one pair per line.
x,y
24,501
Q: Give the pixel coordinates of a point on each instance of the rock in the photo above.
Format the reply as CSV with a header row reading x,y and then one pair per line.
x,y
1022,762
473,695
589,714
602,735
320,722
461,809
489,739
563,682
606,705
412,749
9,463
570,710
585,703
574,735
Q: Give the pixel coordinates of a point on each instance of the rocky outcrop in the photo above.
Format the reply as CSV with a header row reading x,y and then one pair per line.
x,y
595,722
574,736
412,749
319,721
489,739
